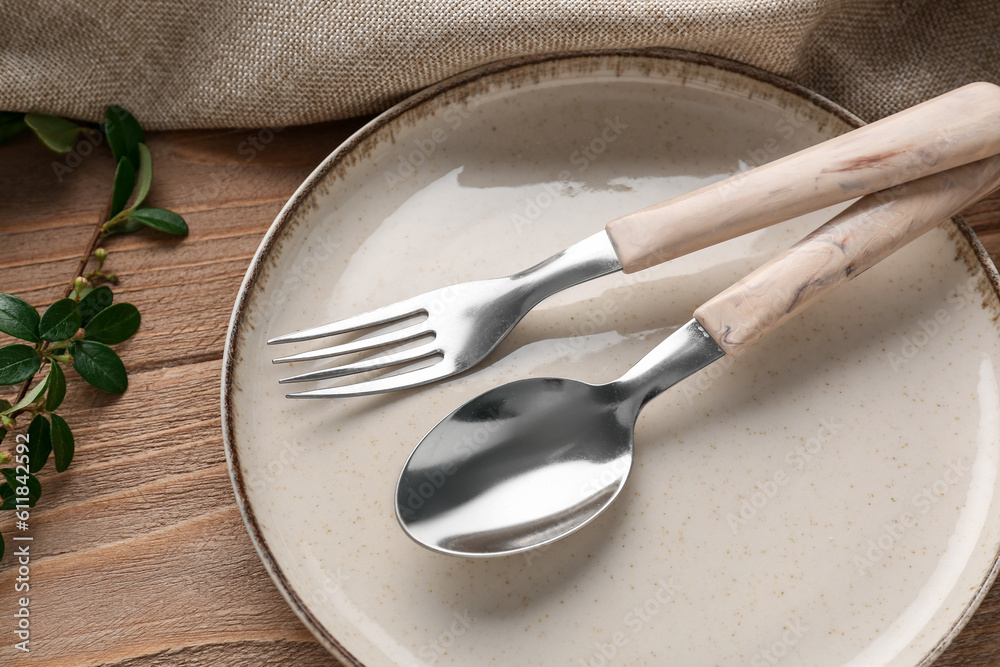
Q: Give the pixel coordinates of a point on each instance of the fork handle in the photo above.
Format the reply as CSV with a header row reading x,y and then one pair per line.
x,y
956,128
852,242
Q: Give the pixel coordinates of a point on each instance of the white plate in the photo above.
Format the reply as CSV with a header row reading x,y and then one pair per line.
x,y
829,499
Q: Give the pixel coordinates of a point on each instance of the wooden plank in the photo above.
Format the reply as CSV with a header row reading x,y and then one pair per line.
x,y
140,556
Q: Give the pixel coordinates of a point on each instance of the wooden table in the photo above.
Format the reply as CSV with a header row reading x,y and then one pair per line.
x,y
140,557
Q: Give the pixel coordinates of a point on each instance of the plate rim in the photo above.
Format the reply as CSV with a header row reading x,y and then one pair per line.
x,y
338,156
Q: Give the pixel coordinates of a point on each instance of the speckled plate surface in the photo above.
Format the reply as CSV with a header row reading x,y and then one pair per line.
x,y
829,499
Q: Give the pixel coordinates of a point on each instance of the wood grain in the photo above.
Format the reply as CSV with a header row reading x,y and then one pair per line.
x,y
140,558
953,129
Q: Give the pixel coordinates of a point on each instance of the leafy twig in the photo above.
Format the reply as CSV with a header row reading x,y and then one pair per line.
x,y
81,327
84,260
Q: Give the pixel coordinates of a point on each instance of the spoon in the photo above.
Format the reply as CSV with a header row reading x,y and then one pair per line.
x,y
532,461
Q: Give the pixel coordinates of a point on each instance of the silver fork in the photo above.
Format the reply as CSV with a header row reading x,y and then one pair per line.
x,y
467,321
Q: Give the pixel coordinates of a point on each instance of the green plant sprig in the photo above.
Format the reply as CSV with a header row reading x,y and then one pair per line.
x,y
80,328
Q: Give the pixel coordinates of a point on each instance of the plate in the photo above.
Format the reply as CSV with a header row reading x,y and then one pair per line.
x,y
828,499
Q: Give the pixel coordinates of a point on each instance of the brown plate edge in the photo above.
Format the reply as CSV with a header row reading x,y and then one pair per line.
x,y
984,260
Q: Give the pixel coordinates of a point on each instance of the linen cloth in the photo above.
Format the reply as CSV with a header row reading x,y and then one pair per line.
x,y
252,63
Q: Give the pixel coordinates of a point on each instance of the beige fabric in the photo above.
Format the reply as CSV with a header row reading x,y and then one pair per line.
x,y
246,63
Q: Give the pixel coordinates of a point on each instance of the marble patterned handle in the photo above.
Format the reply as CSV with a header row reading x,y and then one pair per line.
x,y
852,242
956,128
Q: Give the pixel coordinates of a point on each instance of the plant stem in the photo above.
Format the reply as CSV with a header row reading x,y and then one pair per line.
x,y
91,246
21,394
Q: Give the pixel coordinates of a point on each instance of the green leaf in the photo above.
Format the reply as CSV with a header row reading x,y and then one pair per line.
x,y
160,219
62,443
39,443
9,489
30,397
124,184
124,134
18,363
60,321
18,318
94,302
99,365
115,324
145,174
11,125
57,133
57,387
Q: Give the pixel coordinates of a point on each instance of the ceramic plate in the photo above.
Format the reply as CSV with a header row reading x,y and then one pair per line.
x,y
829,499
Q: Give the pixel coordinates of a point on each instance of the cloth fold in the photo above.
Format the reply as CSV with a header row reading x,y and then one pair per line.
x,y
253,63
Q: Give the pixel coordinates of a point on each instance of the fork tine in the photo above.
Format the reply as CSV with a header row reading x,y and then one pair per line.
x,y
359,345
383,384
371,364
383,315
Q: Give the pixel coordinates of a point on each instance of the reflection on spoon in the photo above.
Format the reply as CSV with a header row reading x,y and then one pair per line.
x,y
532,461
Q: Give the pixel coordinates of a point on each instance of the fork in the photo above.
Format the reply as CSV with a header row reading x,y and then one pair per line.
x,y
465,322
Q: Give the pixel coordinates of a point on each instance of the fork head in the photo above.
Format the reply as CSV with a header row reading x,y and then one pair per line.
x,y
419,340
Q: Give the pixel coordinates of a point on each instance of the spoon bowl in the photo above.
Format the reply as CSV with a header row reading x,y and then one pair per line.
x,y
468,488
532,461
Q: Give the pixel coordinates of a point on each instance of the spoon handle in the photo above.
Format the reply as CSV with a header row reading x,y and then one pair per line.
x,y
956,128
852,242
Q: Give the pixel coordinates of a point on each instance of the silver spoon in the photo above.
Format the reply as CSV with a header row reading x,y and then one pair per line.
x,y
532,461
